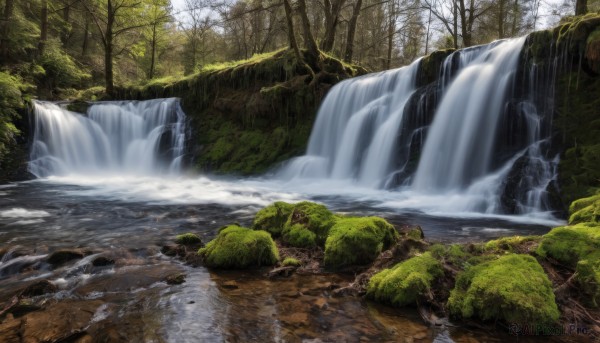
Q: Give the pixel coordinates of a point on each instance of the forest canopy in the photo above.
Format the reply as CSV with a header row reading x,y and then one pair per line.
x,y
61,45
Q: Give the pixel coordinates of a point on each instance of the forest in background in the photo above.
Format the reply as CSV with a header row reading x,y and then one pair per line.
x,y
59,45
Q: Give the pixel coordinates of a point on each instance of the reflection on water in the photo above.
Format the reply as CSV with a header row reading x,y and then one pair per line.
x,y
128,221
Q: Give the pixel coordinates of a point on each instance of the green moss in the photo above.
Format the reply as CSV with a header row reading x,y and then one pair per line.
x,y
578,107
569,244
587,275
273,217
585,210
513,288
188,239
299,236
311,216
291,262
406,282
430,66
238,247
453,253
358,241
512,243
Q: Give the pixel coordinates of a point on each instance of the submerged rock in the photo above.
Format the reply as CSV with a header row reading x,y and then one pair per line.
x,y
60,257
358,241
39,288
239,247
188,239
513,288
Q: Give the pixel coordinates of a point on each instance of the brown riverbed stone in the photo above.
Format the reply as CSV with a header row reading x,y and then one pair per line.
x,y
57,322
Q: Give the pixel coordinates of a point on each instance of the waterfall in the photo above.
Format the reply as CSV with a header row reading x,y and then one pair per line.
x,y
485,146
125,137
356,130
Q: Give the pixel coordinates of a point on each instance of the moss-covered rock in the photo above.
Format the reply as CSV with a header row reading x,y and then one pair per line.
x,y
569,244
406,282
587,275
585,210
453,253
299,236
273,217
308,219
520,244
239,247
267,102
188,239
358,241
513,288
291,262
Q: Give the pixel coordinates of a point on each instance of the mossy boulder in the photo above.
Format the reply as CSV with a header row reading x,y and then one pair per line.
x,y
188,239
513,288
239,247
273,217
453,253
520,244
569,244
406,282
299,236
585,210
308,217
291,262
587,275
358,241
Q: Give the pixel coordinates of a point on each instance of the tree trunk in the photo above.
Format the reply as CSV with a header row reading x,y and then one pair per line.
x,y
455,24
581,7
108,49
309,39
66,32
153,51
332,16
43,28
290,29
351,31
390,35
86,35
500,19
5,26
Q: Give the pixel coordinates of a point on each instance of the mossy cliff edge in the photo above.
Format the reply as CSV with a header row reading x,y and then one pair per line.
x,y
248,115
570,57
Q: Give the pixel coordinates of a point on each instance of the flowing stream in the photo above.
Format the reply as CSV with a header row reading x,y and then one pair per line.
x,y
111,181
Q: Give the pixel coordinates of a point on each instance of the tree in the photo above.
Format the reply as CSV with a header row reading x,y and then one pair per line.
x,y
113,18
581,7
5,26
157,12
332,17
352,31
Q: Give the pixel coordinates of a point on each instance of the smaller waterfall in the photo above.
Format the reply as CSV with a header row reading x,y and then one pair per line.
x,y
355,133
132,137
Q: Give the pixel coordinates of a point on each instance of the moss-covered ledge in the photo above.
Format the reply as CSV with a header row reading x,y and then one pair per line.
x,y
246,116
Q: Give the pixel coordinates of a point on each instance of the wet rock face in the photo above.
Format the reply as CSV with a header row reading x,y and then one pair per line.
x,y
60,257
39,288
64,321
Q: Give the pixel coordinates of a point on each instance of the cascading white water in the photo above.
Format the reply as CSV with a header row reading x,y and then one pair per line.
x,y
365,124
127,137
356,129
460,141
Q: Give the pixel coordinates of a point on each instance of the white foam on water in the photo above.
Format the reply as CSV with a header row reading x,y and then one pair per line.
x,y
18,212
